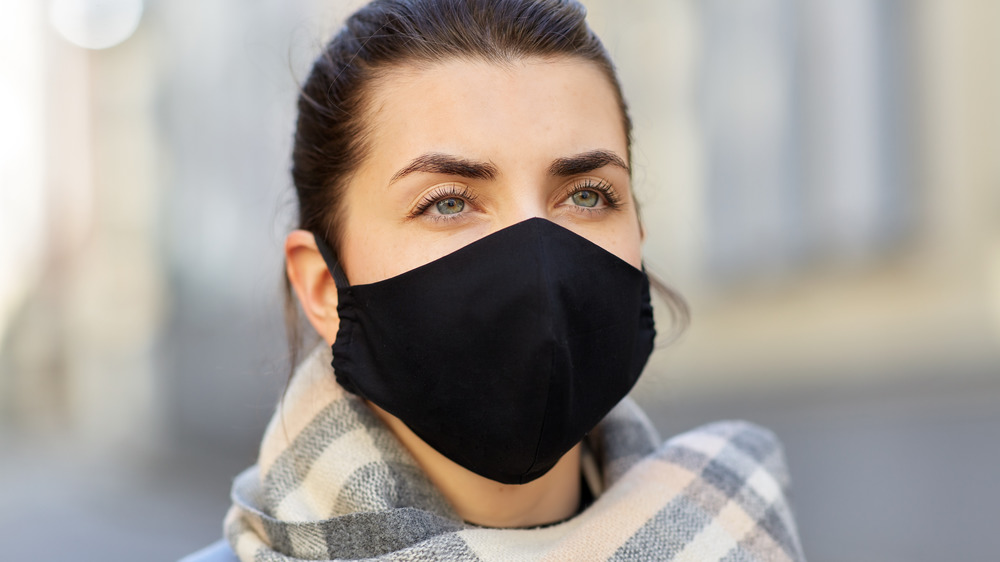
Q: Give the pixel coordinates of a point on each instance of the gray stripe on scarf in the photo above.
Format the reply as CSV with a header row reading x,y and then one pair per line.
x,y
443,547
624,438
774,523
382,485
291,467
367,534
666,534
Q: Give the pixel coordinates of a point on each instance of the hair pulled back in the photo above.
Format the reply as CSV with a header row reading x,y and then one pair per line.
x,y
331,131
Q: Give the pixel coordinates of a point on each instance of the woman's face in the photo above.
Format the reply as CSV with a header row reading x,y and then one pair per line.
x,y
461,149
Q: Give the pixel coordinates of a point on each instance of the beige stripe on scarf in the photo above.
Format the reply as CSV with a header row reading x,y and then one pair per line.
x,y
596,533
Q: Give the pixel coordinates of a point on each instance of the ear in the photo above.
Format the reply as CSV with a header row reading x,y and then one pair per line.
x,y
312,282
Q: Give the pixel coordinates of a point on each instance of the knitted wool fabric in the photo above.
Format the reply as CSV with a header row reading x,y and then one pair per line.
x,y
332,483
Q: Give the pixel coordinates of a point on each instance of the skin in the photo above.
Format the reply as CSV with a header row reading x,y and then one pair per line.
x,y
507,125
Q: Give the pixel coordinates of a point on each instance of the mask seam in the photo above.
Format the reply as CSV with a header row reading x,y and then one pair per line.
x,y
541,430
552,355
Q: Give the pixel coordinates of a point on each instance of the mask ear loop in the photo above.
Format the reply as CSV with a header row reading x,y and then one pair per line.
x,y
332,264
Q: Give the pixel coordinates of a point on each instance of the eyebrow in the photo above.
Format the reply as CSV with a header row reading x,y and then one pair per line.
x,y
586,162
439,163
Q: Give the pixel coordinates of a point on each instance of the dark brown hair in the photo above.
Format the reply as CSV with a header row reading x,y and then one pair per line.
x,y
331,134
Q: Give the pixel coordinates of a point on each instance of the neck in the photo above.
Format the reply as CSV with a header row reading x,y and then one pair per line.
x,y
552,497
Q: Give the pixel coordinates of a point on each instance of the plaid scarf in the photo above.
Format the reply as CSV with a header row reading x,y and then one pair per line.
x,y
332,482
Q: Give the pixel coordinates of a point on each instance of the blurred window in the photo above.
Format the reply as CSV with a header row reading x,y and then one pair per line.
x,y
802,104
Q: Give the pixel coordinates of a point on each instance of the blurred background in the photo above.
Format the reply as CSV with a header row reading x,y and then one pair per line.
x,y
820,179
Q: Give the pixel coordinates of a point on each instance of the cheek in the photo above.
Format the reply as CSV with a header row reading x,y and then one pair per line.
x,y
371,247
378,250
365,242
622,237
375,253
629,248
631,237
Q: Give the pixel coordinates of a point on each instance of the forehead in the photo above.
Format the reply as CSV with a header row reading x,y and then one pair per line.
x,y
505,113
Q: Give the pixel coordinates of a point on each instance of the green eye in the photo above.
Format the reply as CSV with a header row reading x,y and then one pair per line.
x,y
586,198
450,206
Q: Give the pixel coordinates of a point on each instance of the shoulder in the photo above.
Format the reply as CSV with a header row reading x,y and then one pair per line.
x,y
736,478
218,551
742,446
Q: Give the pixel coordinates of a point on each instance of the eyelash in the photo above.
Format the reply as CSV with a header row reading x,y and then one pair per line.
x,y
445,192
611,198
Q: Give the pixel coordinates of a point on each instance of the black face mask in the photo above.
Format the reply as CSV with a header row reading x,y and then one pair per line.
x,y
503,354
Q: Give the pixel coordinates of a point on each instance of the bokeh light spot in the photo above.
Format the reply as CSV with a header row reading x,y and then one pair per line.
x,y
95,24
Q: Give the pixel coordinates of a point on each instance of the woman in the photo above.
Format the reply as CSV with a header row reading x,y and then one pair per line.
x,y
469,247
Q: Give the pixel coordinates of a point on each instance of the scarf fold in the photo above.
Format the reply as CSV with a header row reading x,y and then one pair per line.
x,y
333,483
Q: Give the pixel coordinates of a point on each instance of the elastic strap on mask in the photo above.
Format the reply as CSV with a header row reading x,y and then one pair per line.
x,y
332,264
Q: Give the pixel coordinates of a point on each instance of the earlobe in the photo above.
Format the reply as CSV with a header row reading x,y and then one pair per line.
x,y
312,282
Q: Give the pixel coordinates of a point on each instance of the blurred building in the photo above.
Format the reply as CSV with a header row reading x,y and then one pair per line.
x,y
820,179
